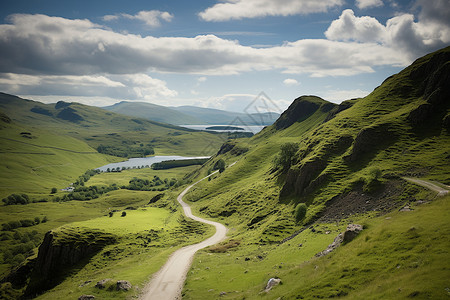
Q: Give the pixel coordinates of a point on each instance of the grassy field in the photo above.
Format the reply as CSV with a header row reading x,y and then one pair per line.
x,y
147,236
125,176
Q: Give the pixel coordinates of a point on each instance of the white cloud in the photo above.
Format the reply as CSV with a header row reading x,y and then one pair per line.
x,y
47,45
290,82
363,4
134,86
245,103
151,18
337,96
351,28
401,33
240,9
201,79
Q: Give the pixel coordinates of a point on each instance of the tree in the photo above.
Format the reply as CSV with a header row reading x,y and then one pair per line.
x,y
111,214
300,211
124,213
37,220
286,155
44,219
54,190
219,165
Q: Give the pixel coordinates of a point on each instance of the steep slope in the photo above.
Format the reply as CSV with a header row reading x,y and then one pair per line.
x,y
348,166
153,112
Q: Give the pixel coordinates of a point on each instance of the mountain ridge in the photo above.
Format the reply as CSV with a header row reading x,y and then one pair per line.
x,y
190,115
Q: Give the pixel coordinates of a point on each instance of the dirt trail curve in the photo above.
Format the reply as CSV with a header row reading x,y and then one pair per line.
x,y
441,189
168,282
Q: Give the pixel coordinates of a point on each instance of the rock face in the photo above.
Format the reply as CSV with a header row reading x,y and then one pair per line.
x,y
433,78
271,283
86,297
301,109
350,233
369,139
59,252
123,285
304,178
69,114
102,283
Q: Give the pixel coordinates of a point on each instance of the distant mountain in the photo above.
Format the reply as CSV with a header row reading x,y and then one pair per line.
x,y
216,116
152,112
190,115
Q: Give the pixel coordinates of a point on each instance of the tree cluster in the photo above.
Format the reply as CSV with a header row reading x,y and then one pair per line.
x,y
156,184
85,193
16,199
127,150
18,245
11,225
168,164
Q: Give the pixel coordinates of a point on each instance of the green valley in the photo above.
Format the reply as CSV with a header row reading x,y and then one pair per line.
x,y
285,195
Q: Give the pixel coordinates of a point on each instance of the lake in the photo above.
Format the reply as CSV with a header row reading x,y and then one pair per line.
x,y
254,128
144,161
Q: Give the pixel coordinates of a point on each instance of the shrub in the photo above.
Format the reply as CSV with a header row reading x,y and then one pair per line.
x,y
124,213
300,211
26,223
286,155
16,199
219,165
53,191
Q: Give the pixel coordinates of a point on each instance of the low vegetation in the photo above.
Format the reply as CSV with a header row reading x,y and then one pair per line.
x,y
168,164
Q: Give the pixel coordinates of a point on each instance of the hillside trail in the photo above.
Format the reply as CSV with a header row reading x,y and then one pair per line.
x,y
441,189
168,282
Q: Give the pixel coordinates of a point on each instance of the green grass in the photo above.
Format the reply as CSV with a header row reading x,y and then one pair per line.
x,y
396,256
247,197
125,176
134,221
147,237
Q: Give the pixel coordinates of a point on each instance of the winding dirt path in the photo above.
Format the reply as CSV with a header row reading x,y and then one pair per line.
x,y
168,282
429,185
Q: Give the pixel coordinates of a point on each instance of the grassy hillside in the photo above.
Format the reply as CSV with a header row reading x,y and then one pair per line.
x,y
96,127
347,167
50,145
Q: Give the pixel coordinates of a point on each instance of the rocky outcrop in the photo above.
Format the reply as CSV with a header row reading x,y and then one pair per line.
x,y
86,297
102,283
370,139
305,177
299,178
231,147
41,111
70,114
156,198
271,283
4,118
60,252
337,109
301,109
123,285
347,236
433,76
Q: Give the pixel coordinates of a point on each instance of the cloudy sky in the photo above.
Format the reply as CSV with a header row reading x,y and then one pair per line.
x,y
211,53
